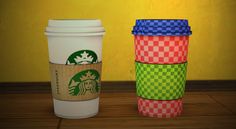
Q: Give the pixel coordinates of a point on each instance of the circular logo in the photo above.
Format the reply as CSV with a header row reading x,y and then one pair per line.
x,y
84,82
82,57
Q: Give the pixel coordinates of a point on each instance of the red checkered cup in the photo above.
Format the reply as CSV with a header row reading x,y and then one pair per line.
x,y
161,41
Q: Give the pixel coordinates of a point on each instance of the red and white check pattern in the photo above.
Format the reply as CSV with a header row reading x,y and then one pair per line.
x,y
160,108
161,49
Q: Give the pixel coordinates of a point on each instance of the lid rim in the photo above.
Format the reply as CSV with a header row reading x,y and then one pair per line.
x,y
74,34
163,34
74,23
158,27
75,29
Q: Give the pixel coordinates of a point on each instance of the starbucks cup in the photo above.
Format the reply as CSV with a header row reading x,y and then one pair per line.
x,y
75,56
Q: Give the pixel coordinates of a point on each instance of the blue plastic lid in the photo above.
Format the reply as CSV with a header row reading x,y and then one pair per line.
x,y
162,27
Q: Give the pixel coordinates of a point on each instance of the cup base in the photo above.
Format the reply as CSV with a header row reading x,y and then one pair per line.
x,y
76,109
160,108
76,117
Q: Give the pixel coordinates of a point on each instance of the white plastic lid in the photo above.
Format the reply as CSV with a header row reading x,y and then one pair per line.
x,y
74,26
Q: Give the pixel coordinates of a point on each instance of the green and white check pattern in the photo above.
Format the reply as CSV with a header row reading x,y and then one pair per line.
x,y
160,82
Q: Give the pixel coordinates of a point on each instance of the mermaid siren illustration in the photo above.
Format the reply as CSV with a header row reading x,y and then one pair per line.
x,y
84,82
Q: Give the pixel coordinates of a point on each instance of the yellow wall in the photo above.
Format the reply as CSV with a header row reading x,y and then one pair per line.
x,y
23,46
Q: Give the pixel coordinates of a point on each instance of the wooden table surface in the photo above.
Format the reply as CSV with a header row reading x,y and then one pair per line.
x,y
202,110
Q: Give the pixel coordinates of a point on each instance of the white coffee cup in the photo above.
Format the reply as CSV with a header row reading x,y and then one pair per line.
x,y
66,38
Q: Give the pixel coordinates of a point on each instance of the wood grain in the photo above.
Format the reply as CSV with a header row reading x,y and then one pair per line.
x,y
202,110
119,110
140,122
26,123
227,100
26,106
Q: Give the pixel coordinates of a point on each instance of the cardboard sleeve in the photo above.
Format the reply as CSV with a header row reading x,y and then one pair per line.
x,y
75,82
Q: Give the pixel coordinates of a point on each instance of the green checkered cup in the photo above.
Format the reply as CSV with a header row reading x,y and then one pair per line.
x,y
160,82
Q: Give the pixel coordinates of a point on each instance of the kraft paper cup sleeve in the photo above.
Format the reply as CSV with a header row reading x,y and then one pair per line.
x,y
160,82
75,82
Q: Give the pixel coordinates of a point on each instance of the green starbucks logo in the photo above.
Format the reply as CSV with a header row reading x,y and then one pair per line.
x,y
82,57
84,82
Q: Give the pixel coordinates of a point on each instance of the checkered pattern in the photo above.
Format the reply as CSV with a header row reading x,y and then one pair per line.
x,y
161,49
160,82
160,109
162,29
161,33
154,27
161,22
